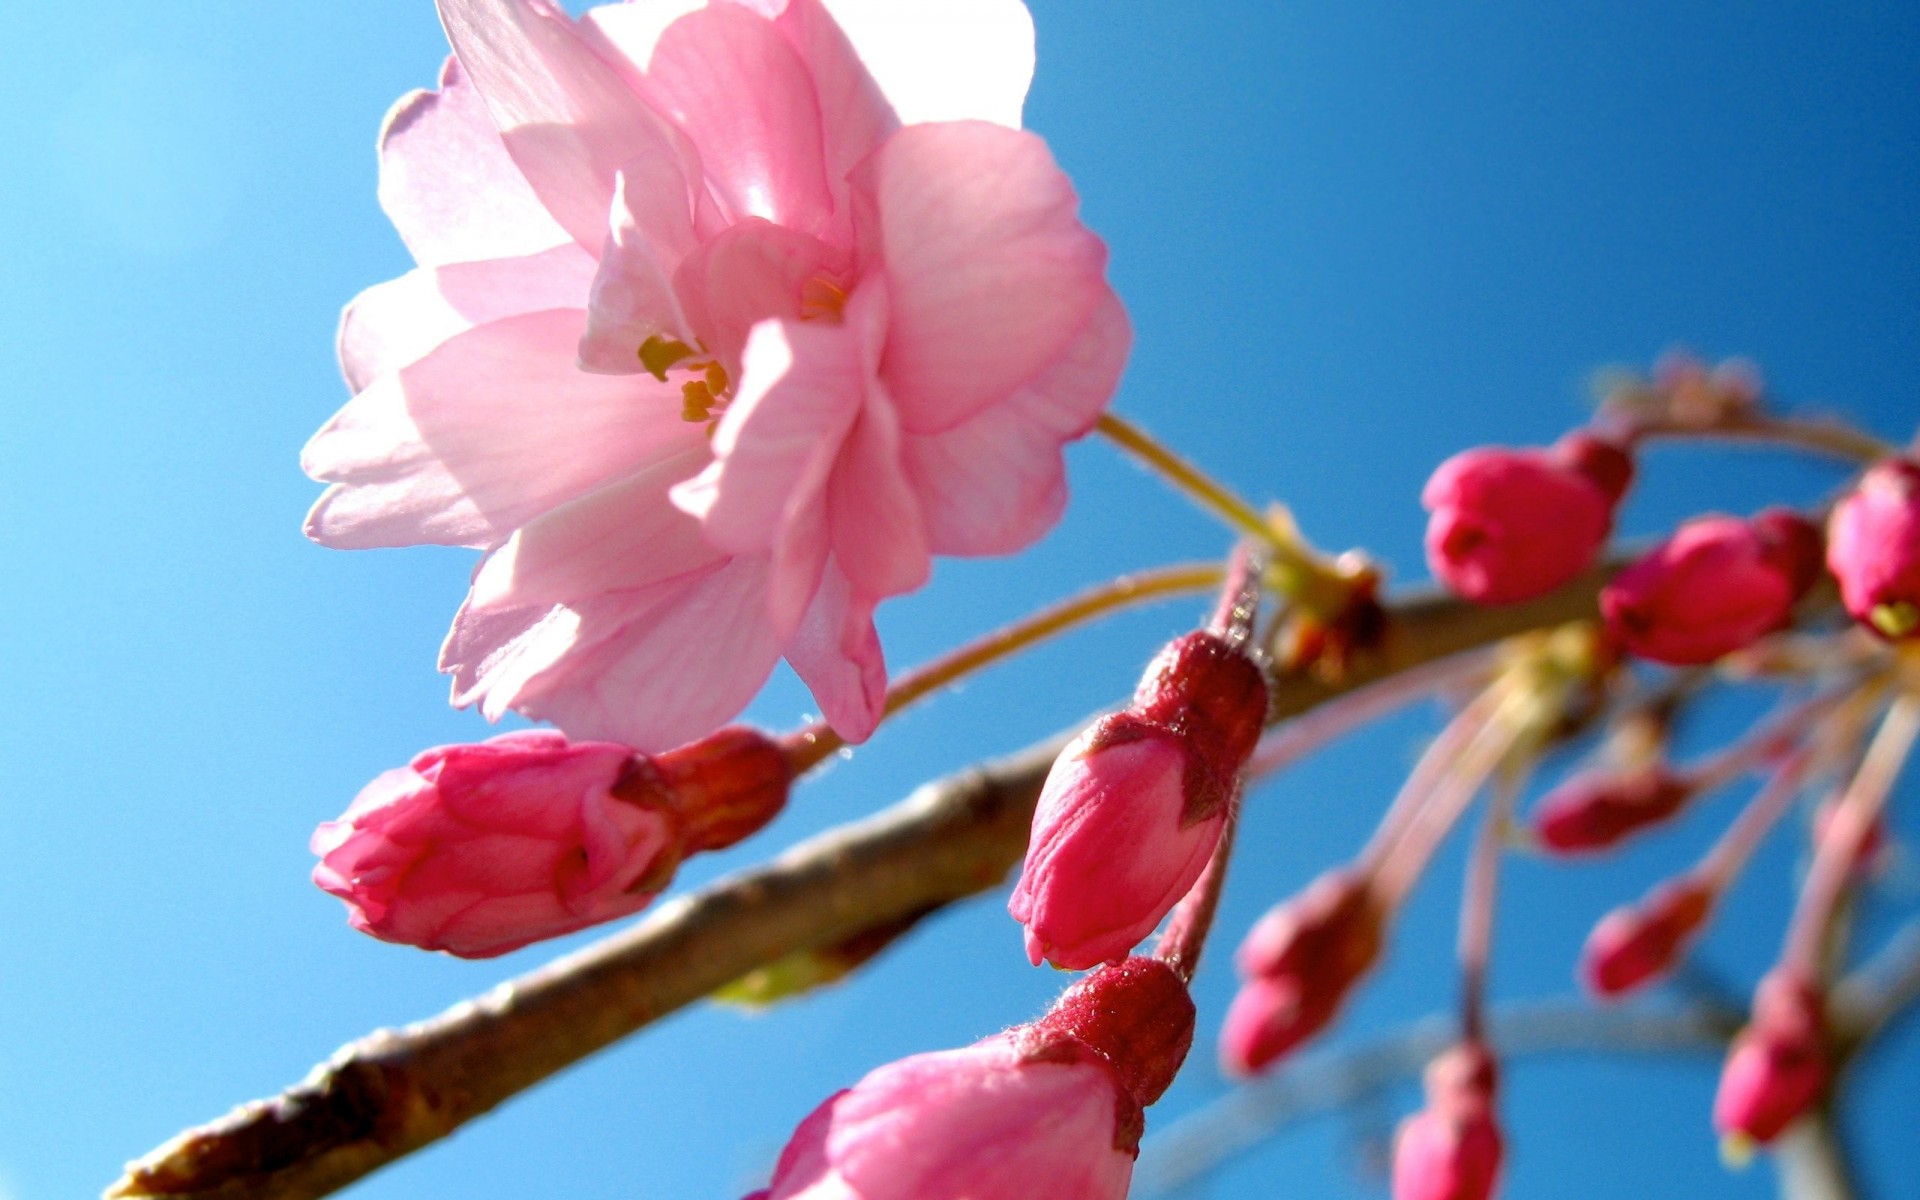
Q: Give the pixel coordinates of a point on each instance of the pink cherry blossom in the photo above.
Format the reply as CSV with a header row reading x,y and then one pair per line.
x,y
729,317
1452,1149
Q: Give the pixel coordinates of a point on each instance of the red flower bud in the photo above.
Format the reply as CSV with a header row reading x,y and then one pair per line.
x,y
1779,1064
1596,809
1509,525
1873,549
1452,1149
1054,1105
1636,944
481,849
1300,962
1718,585
1133,808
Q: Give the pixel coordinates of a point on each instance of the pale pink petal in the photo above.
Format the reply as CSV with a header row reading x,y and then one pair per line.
x,y
623,536
945,60
745,98
800,390
651,668
879,534
487,432
752,271
837,653
448,184
990,272
996,483
568,118
633,297
393,324
854,115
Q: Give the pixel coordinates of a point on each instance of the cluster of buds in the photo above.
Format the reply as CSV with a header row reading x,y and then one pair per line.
x,y
1134,807
482,849
1054,1106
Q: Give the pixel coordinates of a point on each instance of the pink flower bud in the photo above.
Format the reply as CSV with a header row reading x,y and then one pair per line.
x,y
1451,1150
1300,962
1595,810
1134,806
1779,1063
1873,549
482,849
1718,585
1054,1105
1633,945
1508,525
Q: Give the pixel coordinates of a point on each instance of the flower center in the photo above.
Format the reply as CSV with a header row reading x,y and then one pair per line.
x,y
704,397
821,299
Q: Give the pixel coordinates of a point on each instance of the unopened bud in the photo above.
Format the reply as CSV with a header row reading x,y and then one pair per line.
x,y
1637,944
1779,1064
1133,807
1717,586
1597,809
1300,962
1873,549
1509,525
1452,1149
482,849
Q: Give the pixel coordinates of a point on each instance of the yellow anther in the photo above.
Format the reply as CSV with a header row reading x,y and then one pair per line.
x,y
1898,619
697,401
657,354
822,299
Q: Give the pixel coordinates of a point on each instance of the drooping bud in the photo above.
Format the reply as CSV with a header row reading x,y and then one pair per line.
x,y
1779,1065
1509,525
1054,1105
1452,1149
1718,585
1595,810
482,849
1873,549
1299,962
1133,807
1636,944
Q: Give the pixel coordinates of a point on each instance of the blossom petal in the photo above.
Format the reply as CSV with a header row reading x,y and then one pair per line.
x,y
394,324
651,668
746,99
990,272
624,536
448,184
945,60
837,653
879,535
854,114
800,390
996,483
566,115
491,429
654,206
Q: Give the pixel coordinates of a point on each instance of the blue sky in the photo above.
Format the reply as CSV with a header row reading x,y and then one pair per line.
x,y
1354,237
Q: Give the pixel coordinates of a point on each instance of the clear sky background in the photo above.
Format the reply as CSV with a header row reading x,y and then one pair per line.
x,y
1355,236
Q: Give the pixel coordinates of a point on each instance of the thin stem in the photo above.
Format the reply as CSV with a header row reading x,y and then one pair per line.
x,y
1186,933
1205,491
1853,821
1439,766
1405,860
1240,594
1477,903
808,747
1769,741
1301,736
1829,438
1723,864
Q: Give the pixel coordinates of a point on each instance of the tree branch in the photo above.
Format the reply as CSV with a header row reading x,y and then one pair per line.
x,y
1809,1162
394,1091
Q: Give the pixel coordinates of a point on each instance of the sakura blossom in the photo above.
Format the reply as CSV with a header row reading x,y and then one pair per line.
x,y
728,319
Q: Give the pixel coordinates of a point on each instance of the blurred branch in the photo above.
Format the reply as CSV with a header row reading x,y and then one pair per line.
x,y
394,1091
1336,1079
1870,998
1810,1163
